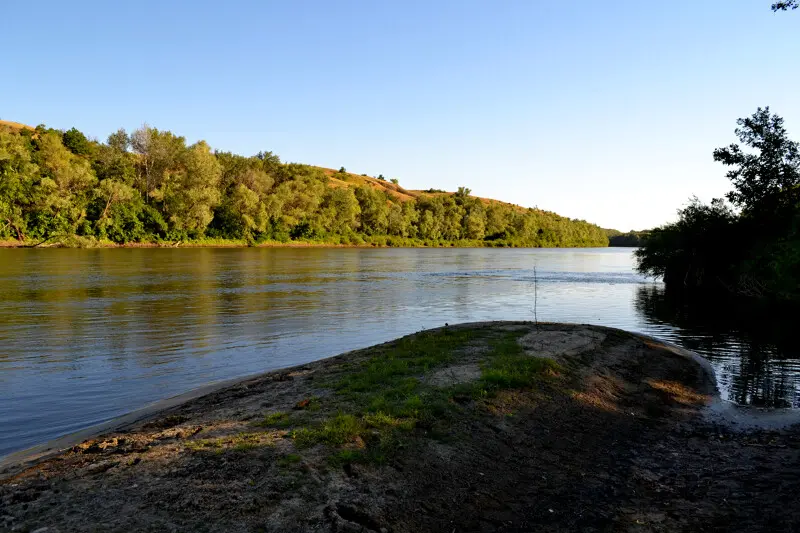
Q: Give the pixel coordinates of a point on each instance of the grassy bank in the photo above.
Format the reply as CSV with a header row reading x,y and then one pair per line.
x,y
499,426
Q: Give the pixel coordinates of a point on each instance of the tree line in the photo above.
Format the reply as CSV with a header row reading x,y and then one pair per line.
x,y
631,239
747,243
152,186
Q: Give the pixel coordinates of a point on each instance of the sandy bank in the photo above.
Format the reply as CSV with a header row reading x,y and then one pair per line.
x,y
478,427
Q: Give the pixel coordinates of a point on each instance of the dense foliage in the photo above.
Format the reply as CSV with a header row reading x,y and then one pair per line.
x,y
751,245
150,186
785,5
631,239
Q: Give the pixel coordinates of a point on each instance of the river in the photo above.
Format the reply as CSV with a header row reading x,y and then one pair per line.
x,y
87,335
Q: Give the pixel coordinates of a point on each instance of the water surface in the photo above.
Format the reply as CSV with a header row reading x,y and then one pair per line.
x,y
86,335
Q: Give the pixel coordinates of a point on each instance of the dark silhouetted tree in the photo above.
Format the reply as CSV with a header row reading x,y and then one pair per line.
x,y
769,178
785,6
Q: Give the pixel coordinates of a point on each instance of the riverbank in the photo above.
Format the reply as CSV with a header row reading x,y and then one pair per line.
x,y
207,243
479,427
362,241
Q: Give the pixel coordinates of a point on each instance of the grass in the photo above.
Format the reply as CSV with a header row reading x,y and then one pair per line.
x,y
509,367
380,402
275,420
290,459
336,431
240,443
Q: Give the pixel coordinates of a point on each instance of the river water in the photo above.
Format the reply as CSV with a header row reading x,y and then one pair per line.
x,y
87,335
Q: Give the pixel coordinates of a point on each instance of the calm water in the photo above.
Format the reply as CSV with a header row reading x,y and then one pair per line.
x,y
86,335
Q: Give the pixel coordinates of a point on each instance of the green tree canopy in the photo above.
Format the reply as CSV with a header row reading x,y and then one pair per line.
x,y
76,142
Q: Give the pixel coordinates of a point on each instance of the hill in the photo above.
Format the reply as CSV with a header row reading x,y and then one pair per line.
x,y
150,186
14,126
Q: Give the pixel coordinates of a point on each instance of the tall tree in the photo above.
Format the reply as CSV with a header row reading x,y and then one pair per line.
x,y
191,192
374,217
160,152
339,211
768,178
65,187
76,142
17,176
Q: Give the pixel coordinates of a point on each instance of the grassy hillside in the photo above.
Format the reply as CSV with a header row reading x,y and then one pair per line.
x,y
150,186
348,179
14,126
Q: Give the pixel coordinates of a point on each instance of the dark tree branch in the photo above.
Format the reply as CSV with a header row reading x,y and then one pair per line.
x,y
785,6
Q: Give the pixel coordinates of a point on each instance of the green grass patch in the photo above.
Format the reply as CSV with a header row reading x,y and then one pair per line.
x,y
289,460
344,457
337,431
509,367
383,421
389,381
275,420
240,442
382,400
204,444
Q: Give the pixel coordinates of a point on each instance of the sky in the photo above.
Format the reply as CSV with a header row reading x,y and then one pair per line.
x,y
607,111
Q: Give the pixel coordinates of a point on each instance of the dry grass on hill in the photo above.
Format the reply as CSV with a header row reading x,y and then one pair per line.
x,y
14,126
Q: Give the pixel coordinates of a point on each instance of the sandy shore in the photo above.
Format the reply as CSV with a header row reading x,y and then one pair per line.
x,y
477,427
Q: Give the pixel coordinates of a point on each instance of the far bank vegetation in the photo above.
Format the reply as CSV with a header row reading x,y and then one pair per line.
x,y
151,186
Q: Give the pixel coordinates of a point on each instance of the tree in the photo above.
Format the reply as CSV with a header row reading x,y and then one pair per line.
x,y
786,5
475,223
150,185
111,193
76,142
17,176
298,196
119,140
755,252
769,179
463,192
693,251
429,225
496,220
190,192
452,217
64,189
395,181
374,210
270,162
113,161
339,211
159,154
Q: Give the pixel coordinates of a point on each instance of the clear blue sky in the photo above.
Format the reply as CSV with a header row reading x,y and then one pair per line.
x,y
601,110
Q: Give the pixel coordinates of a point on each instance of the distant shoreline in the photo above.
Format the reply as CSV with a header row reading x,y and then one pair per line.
x,y
9,244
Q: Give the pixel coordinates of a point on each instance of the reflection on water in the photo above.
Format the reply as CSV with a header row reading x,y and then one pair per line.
x,y
753,350
86,335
